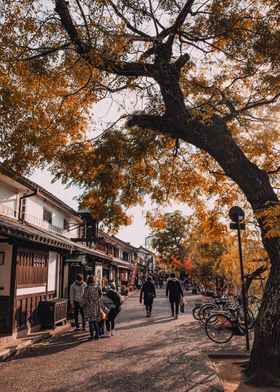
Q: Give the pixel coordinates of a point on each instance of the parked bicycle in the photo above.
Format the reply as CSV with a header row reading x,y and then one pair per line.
x,y
221,326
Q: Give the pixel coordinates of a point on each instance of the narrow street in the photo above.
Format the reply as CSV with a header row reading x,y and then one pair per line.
x,y
157,354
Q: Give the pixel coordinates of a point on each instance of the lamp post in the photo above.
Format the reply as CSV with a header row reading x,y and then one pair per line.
x,y
237,215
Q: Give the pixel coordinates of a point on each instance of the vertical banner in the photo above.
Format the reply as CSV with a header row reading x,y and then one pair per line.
x,y
134,272
98,274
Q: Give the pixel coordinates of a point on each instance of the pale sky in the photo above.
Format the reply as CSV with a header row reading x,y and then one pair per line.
x,y
104,113
135,233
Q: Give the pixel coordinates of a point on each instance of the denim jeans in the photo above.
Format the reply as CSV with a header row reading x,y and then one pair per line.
x,y
93,326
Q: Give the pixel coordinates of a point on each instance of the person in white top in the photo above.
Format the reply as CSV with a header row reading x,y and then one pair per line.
x,y
76,294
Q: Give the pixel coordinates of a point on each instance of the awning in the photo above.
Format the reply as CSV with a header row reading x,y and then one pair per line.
x,y
75,258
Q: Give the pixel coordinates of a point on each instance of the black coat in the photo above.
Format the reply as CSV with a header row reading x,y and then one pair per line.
x,y
149,292
174,290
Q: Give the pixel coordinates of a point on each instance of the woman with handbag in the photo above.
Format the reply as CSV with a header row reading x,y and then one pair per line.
x,y
149,292
91,305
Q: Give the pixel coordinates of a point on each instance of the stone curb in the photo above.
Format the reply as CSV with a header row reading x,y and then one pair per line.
x,y
204,376
22,346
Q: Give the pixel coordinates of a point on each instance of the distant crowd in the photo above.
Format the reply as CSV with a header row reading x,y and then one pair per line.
x,y
100,309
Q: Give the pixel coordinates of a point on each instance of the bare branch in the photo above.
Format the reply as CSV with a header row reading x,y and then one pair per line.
x,y
260,103
179,20
46,52
84,18
128,24
79,89
84,49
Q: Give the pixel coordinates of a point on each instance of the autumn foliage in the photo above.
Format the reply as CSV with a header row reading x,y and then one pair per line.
x,y
194,90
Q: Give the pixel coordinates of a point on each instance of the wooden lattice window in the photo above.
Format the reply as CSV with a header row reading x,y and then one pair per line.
x,y
32,267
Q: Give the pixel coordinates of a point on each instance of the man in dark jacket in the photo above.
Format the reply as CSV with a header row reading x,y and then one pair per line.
x,y
175,292
149,293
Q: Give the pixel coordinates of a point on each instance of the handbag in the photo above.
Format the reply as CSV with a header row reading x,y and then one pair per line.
x,y
182,305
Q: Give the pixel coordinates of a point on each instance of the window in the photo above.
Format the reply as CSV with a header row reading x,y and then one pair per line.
x,y
116,252
2,256
32,267
47,216
65,224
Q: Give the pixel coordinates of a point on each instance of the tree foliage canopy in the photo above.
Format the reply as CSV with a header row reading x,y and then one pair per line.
x,y
60,58
205,82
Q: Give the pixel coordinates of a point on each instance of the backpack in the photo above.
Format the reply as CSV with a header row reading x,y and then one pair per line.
x,y
115,297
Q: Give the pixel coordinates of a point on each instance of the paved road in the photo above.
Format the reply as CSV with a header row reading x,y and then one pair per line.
x,y
157,354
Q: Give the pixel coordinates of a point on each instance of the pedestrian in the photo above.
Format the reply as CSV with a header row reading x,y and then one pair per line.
x,y
149,292
91,305
139,283
111,304
156,281
175,293
76,294
112,284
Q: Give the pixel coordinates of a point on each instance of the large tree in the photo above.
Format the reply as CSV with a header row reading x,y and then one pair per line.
x,y
205,78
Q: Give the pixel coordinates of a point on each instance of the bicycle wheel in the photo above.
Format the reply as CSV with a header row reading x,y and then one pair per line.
x,y
219,328
205,311
195,312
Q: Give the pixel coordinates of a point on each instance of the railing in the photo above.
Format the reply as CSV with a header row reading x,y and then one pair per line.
x,y
8,211
44,224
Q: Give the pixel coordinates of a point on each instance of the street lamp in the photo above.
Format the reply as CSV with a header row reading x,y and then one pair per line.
x,y
237,215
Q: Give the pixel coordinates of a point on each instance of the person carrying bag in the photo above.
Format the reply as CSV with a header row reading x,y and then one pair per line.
x,y
149,292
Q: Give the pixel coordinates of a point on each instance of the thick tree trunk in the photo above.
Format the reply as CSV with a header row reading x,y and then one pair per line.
x,y
217,141
264,366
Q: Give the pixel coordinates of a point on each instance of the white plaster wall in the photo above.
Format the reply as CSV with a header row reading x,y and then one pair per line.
x,y
8,199
31,290
5,270
52,269
35,207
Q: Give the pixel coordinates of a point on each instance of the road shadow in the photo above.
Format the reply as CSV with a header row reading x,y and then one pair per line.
x,y
53,345
172,373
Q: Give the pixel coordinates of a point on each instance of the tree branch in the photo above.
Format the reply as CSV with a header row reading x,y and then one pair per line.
x,y
273,171
128,24
182,60
46,52
147,121
84,49
84,18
